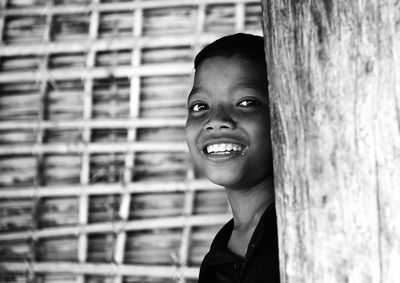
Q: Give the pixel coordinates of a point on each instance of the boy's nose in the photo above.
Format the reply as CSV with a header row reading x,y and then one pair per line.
x,y
220,120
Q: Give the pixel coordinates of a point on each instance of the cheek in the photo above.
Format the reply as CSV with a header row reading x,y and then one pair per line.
x,y
258,123
261,134
191,131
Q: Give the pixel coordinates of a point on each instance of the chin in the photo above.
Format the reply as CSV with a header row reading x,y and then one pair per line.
x,y
223,179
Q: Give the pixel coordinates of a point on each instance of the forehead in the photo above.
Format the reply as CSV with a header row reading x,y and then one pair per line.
x,y
221,72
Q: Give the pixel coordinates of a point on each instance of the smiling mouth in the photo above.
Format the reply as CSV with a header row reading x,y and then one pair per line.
x,y
223,149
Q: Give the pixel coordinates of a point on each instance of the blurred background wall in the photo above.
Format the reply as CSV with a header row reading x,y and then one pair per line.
x,y
95,181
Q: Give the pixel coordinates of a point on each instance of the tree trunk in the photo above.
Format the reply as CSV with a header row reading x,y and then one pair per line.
x,y
334,74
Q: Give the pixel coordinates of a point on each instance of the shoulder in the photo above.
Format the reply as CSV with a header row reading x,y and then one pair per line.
x,y
222,237
220,241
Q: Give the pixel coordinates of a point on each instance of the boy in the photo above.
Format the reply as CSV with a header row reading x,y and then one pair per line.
x,y
228,135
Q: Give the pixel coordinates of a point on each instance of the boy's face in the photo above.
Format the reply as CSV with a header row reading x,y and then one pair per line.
x,y
227,129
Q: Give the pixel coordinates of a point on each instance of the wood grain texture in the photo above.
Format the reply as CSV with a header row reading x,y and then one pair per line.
x,y
334,73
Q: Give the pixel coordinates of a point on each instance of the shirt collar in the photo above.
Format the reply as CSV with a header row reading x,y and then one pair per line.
x,y
220,241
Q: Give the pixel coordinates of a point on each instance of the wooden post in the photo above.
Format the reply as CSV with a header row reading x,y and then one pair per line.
x,y
334,74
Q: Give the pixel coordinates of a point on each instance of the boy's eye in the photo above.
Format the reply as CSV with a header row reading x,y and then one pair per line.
x,y
248,103
198,107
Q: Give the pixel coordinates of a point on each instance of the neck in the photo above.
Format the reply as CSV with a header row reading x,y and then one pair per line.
x,y
249,204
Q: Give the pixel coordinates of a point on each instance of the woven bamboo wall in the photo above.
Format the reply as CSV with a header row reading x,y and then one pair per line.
x,y
95,181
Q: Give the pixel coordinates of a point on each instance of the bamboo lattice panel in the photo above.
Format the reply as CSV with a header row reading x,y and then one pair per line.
x,y
96,184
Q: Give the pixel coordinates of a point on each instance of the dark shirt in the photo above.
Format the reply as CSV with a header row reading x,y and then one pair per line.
x,y
260,263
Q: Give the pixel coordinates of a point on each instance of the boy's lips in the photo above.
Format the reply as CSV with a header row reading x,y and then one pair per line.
x,y
223,150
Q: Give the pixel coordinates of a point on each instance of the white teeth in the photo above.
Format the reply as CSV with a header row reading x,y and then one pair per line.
x,y
223,148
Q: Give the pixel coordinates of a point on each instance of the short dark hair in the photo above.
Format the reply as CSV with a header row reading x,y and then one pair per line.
x,y
247,46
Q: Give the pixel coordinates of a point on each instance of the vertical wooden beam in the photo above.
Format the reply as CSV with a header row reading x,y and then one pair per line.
x,y
134,107
240,16
200,19
86,137
138,22
334,74
3,6
42,66
200,25
188,208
